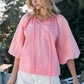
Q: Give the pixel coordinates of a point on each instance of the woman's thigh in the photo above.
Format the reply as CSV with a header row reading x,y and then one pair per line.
x,y
46,80
25,78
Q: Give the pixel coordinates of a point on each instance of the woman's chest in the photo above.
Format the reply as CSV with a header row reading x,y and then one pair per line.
x,y
35,29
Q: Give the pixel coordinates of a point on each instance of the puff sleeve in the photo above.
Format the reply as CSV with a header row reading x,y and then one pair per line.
x,y
66,45
18,40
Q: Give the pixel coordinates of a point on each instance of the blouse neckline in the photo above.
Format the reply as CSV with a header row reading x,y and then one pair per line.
x,y
49,19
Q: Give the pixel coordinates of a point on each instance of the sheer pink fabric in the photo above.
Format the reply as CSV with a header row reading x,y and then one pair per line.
x,y
43,46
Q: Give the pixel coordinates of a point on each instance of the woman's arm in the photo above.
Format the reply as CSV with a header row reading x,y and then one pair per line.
x,y
14,71
15,67
71,66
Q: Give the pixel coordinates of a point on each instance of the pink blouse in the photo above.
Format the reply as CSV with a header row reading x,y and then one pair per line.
x,y
43,46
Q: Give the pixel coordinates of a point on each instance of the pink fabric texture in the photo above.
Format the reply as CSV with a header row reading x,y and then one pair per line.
x,y
43,46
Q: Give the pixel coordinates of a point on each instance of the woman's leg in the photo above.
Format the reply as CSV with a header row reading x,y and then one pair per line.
x,y
24,78
41,79
55,80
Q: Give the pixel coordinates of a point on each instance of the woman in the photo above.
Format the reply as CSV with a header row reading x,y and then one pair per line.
x,y
42,41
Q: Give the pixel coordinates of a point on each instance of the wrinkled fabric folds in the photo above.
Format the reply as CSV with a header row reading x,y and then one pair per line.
x,y
43,46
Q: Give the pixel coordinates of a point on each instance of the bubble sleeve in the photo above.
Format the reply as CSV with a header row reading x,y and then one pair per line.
x,y
66,45
18,40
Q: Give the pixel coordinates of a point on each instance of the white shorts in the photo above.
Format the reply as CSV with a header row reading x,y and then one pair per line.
x,y
26,78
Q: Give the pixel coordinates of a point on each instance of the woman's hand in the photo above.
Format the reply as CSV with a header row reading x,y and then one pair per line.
x,y
75,81
12,80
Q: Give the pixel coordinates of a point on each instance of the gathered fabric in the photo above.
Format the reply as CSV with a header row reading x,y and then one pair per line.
x,y
43,46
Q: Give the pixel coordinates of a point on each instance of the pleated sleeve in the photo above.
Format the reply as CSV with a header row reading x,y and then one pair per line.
x,y
66,45
17,40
